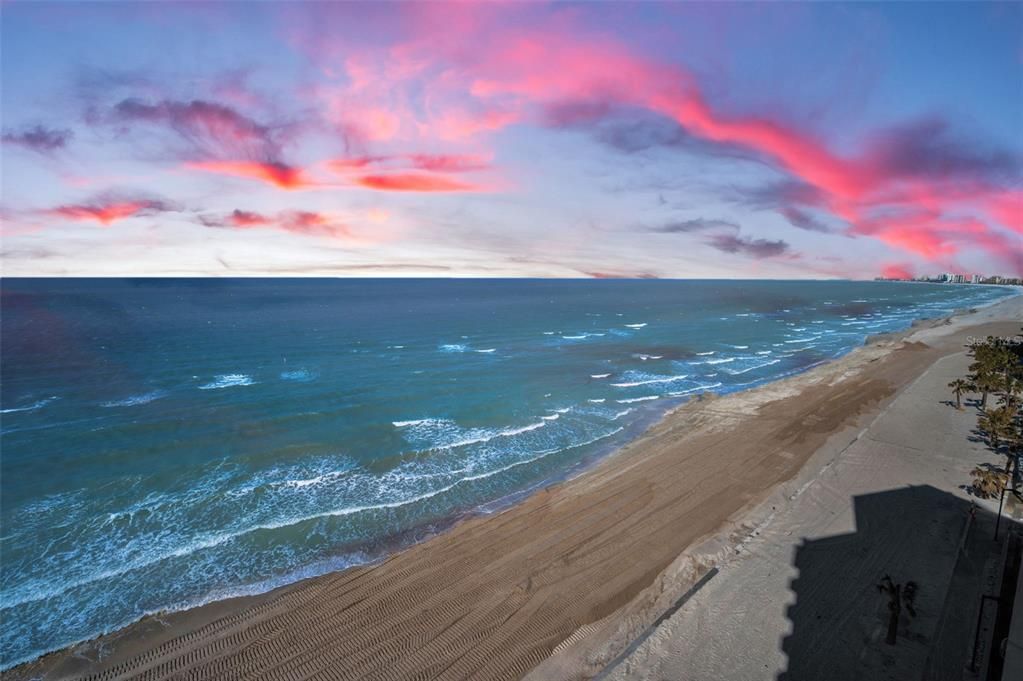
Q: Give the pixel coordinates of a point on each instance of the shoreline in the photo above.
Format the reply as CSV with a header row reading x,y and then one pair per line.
x,y
695,414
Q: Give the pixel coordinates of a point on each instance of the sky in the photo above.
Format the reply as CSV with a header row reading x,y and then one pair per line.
x,y
527,139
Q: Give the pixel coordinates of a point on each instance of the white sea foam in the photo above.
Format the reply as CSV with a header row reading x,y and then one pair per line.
x,y
624,412
144,398
704,354
765,352
32,407
803,340
739,347
636,326
726,360
487,351
444,434
551,417
548,333
574,337
227,381
598,401
415,422
312,482
638,399
453,347
518,431
736,372
599,375
696,389
300,375
659,379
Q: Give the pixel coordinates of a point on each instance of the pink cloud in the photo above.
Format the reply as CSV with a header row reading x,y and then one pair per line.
x,y
947,194
310,223
414,182
106,210
277,174
244,218
896,271
449,163
1005,207
445,163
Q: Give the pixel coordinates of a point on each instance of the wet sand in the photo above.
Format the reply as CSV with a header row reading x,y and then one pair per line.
x,y
567,578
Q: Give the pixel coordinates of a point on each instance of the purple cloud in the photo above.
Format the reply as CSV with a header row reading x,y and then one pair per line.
x,y
726,237
928,150
802,220
39,138
630,130
694,225
754,248
212,129
779,195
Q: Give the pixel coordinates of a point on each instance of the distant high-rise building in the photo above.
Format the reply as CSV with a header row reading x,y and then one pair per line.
x,y
976,279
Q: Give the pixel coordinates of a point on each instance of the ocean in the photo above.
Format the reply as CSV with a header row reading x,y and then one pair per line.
x,y
169,442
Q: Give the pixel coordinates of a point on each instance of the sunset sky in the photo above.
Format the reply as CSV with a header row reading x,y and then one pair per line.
x,y
480,139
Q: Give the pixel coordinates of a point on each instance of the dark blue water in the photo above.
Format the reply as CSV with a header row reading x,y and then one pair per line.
x,y
169,442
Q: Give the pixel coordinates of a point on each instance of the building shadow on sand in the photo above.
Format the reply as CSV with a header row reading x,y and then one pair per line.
x,y
937,551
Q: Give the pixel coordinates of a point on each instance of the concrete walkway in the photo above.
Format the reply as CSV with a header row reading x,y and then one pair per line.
x,y
800,599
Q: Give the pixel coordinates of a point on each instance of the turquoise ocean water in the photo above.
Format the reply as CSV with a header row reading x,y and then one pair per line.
x,y
164,443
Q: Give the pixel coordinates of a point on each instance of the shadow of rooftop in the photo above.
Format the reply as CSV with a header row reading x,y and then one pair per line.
x,y
840,616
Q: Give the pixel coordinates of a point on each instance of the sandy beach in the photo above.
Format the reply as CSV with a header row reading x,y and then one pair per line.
x,y
561,584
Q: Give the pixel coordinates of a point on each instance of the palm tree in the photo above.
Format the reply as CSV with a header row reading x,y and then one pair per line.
x,y
1012,396
995,362
984,384
959,386
999,426
988,483
998,368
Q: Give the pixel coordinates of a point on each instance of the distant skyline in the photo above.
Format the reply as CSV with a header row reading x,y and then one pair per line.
x,y
750,140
